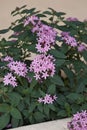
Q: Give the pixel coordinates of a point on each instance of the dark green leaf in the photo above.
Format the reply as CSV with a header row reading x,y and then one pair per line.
x,y
4,108
4,120
57,80
52,89
33,82
14,98
57,54
15,113
4,31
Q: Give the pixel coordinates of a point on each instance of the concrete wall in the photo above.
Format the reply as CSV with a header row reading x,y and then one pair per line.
x,y
75,8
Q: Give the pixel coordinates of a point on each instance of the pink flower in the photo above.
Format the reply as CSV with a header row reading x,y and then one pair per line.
x,y
54,97
46,38
40,100
10,79
47,99
82,47
7,59
46,35
43,66
31,20
18,68
69,40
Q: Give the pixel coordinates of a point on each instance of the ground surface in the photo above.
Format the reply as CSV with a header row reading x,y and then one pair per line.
x,y
53,125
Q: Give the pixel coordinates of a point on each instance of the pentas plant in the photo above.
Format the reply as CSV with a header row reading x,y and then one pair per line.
x,y
46,35
52,84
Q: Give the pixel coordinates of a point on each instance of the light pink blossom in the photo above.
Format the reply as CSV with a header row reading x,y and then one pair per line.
x,y
31,20
47,99
82,47
7,59
69,40
18,68
43,66
9,79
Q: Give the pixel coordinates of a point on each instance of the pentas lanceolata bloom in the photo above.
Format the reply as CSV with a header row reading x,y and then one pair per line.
x,y
81,47
7,59
69,40
9,79
43,66
18,68
46,35
46,38
79,121
47,99
33,20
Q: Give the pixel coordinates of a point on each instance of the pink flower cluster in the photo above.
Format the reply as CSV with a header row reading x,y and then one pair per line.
x,y
79,121
48,99
18,68
7,59
10,79
81,47
71,19
69,40
46,34
46,37
15,67
31,20
43,66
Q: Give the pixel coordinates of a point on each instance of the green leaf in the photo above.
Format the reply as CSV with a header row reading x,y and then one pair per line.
x,y
32,107
33,82
74,97
47,12
15,98
59,62
4,31
70,75
4,120
39,116
52,89
40,107
32,48
14,122
84,106
68,109
4,108
46,110
59,13
42,93
57,80
62,113
30,11
52,107
15,113
57,54
61,100
85,54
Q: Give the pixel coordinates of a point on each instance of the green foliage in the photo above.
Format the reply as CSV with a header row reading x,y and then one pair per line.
x,y
19,106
